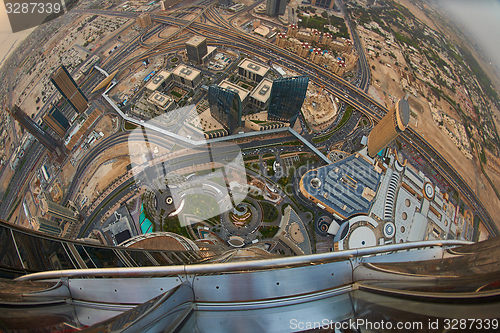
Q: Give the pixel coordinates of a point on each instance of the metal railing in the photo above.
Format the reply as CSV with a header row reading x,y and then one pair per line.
x,y
256,265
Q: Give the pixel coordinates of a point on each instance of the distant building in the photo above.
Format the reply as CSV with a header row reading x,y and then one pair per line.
x,y
242,93
54,147
63,217
225,106
276,7
323,3
56,121
281,39
144,20
292,30
252,70
344,188
161,102
196,48
65,84
159,81
286,98
225,3
187,76
59,212
260,95
389,127
47,226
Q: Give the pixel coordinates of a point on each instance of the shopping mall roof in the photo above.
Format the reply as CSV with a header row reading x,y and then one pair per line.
x,y
346,187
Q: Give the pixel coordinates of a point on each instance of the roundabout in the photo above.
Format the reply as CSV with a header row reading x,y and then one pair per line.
x,y
242,221
166,201
322,225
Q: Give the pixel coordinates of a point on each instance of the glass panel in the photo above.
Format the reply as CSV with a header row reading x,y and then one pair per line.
x,y
8,253
160,258
84,256
104,258
41,254
140,258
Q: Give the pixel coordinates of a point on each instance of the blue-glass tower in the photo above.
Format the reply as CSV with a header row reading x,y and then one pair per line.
x,y
287,97
225,106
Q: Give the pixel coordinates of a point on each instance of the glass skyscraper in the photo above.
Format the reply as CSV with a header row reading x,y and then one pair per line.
x,y
225,106
287,97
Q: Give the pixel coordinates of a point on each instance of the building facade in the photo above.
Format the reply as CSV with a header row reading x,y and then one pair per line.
x,y
65,84
252,70
275,7
43,137
225,106
323,3
144,20
187,76
196,48
56,121
287,97
389,127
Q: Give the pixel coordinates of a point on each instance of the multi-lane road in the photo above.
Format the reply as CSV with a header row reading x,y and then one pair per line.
x,y
225,34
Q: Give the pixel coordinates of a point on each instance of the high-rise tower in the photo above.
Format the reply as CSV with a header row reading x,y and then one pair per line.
x,y
43,137
196,48
65,84
225,106
393,123
56,121
275,7
287,97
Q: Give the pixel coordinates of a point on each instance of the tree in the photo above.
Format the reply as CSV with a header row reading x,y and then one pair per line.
x,y
325,14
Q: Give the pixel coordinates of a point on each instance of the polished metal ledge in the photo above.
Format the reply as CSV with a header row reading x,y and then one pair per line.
x,y
247,266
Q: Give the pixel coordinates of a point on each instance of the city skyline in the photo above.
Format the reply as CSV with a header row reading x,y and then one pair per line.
x,y
194,156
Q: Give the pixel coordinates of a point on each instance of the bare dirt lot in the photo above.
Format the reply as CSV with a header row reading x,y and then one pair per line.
x,y
104,175
107,125
468,169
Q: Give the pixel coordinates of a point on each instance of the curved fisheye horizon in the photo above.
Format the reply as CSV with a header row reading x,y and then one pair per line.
x,y
249,166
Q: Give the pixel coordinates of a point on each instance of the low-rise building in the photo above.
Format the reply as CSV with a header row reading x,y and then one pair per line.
x,y
161,102
187,76
260,95
252,70
243,93
159,81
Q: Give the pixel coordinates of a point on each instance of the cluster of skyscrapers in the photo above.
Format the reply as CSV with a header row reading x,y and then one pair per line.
x,y
54,118
283,98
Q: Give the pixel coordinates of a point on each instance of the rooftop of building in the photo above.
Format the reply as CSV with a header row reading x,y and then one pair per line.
x,y
293,233
160,99
196,41
254,67
243,93
165,241
263,90
403,111
158,79
186,72
347,187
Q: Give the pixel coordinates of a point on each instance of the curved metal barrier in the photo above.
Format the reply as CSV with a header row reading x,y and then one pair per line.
x,y
256,265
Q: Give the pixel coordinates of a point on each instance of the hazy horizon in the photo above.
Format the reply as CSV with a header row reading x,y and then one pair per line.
x,y
481,19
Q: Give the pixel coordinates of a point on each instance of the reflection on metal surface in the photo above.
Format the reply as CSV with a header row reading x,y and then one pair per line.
x,y
429,280
164,312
